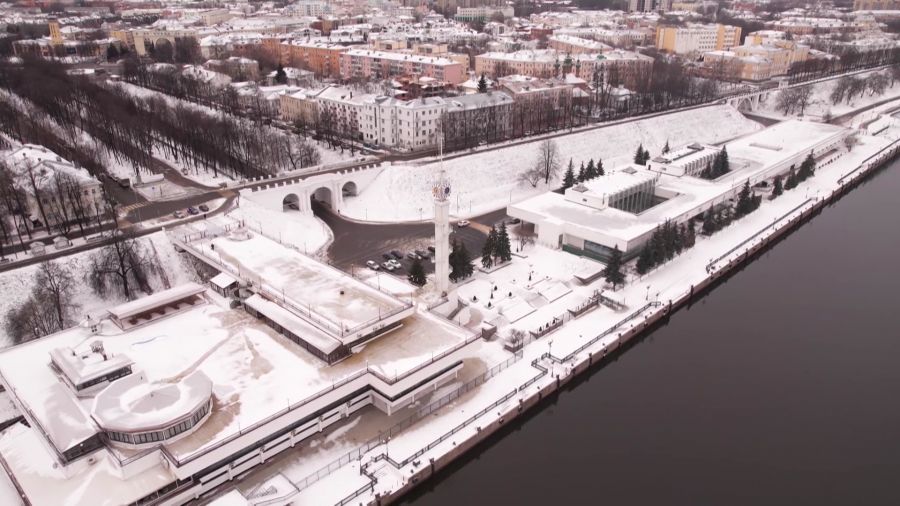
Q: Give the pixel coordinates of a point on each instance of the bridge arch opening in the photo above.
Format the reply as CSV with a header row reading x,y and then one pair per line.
x,y
350,189
745,104
323,195
290,202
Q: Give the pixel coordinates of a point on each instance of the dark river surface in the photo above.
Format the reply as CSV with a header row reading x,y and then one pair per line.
x,y
780,387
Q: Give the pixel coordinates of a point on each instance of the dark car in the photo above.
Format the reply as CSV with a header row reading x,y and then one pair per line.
x,y
192,210
387,256
204,208
431,249
421,253
396,254
515,221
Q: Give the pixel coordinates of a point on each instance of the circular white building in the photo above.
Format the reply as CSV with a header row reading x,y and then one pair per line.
x,y
135,413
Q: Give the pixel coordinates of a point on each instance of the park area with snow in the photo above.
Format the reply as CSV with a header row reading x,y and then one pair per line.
x,y
820,103
16,284
491,179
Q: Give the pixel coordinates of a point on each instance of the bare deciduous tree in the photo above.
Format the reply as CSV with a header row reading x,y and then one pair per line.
x,y
548,160
120,266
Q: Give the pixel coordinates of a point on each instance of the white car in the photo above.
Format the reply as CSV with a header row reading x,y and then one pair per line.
x,y
388,266
371,264
462,223
395,264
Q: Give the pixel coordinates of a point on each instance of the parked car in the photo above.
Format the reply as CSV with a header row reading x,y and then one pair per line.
x,y
178,214
396,264
193,210
431,249
396,254
388,266
515,221
422,253
413,256
462,223
372,265
204,208
387,256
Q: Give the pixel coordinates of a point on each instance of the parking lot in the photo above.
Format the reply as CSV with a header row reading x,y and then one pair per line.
x,y
356,243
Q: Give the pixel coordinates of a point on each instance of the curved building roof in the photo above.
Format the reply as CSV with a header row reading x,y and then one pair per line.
x,y
134,405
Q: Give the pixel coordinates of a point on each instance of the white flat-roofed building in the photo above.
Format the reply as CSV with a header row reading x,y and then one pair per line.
x,y
151,307
592,229
89,371
199,410
627,188
687,161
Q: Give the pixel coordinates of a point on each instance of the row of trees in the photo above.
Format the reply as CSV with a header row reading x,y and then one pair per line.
x,y
130,127
585,173
849,87
118,270
667,241
496,248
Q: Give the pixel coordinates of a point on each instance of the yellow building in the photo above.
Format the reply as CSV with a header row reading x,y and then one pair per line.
x,y
696,38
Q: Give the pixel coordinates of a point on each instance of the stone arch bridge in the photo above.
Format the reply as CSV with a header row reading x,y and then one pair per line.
x,y
298,194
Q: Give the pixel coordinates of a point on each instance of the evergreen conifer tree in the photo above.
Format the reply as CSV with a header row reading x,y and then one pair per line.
x,y
646,157
745,201
807,168
503,248
280,74
690,236
777,186
569,176
464,262
645,259
488,251
666,147
582,173
417,273
639,155
454,261
600,171
791,182
590,172
710,222
613,271
482,84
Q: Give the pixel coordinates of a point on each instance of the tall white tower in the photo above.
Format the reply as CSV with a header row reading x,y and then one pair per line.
x,y
441,191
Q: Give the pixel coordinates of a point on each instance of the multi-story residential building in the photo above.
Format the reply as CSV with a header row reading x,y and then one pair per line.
x,y
576,45
367,64
313,8
617,66
483,13
319,57
302,106
695,38
408,125
649,5
49,183
478,118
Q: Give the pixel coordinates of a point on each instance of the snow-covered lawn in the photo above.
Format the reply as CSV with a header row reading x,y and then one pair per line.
x,y
820,102
17,284
490,180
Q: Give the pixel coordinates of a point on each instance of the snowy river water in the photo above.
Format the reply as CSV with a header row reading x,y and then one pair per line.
x,y
781,386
